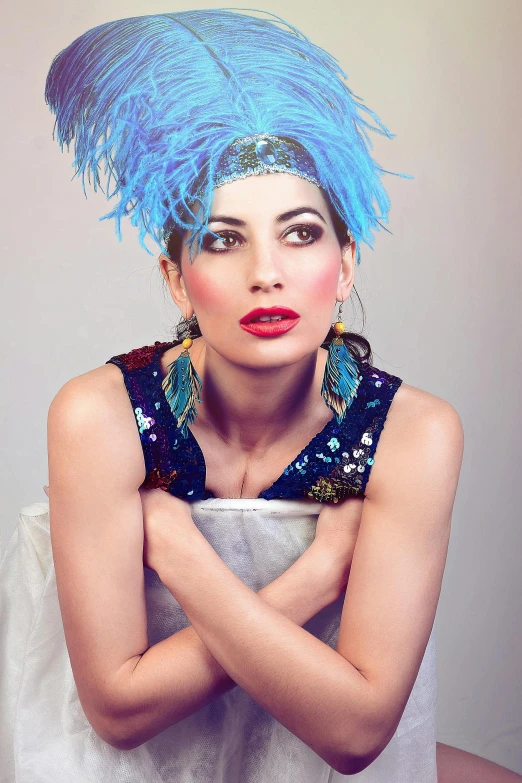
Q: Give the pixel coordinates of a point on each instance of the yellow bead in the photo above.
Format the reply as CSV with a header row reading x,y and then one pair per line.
x,y
339,327
187,342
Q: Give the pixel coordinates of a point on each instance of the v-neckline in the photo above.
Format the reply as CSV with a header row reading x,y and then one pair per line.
x,y
319,436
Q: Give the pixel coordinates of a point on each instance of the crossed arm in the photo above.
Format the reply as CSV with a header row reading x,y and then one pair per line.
x,y
345,704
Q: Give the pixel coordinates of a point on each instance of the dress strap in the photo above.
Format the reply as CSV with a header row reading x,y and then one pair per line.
x,y
338,461
172,462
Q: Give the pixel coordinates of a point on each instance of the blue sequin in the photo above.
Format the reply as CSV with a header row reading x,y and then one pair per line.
x,y
333,443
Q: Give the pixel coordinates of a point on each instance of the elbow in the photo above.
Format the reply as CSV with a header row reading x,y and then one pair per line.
x,y
358,746
119,717
112,732
354,762
116,733
349,761
117,727
125,731
121,741
350,764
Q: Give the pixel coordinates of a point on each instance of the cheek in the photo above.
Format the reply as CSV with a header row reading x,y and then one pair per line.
x,y
209,294
322,281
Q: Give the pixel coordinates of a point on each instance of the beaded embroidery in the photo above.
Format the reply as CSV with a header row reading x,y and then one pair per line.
x,y
336,463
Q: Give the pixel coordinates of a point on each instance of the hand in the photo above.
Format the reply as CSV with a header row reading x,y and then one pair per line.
x,y
336,535
166,520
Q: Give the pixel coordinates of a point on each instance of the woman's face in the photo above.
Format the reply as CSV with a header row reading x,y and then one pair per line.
x,y
277,246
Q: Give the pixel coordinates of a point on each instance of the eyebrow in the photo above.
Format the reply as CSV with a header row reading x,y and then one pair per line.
x,y
279,219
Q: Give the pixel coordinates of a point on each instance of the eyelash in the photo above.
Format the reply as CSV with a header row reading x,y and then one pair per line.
x,y
314,230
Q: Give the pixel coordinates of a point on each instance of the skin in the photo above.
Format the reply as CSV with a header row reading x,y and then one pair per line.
x,y
258,393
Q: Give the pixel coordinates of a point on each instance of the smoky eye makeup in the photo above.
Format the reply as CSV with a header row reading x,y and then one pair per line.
x,y
215,236
315,233
313,229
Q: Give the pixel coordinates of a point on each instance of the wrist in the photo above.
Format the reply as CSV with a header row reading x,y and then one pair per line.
x,y
303,590
181,548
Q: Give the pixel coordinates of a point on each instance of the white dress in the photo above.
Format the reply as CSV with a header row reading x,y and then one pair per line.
x,y
46,738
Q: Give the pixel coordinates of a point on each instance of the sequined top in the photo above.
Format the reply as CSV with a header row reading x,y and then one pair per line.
x,y
335,463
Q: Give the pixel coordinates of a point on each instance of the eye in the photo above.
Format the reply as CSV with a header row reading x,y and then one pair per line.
x,y
210,243
312,234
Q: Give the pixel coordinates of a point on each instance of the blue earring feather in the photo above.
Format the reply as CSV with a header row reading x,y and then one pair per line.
x,y
182,387
341,378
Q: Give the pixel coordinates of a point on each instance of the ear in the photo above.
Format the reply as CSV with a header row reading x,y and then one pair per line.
x,y
346,275
172,274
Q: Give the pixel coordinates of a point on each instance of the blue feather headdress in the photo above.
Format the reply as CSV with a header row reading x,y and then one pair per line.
x,y
156,101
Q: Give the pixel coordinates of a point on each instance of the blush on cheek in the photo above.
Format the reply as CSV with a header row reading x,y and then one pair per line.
x,y
208,295
323,283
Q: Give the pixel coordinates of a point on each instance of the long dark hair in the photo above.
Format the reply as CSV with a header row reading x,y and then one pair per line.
x,y
358,345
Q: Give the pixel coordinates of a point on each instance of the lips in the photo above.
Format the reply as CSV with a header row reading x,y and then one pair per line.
x,y
258,311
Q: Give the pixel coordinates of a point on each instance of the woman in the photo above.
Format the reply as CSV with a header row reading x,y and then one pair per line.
x,y
271,423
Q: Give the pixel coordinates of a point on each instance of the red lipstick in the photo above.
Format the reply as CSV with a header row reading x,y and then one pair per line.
x,y
269,328
276,310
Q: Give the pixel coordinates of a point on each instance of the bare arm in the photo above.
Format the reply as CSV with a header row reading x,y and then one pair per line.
x,y
96,468
288,671
178,675
399,558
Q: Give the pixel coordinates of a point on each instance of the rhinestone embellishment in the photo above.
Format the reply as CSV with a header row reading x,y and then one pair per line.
x,y
266,152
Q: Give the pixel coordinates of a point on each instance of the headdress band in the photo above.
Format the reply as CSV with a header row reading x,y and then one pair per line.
x,y
263,154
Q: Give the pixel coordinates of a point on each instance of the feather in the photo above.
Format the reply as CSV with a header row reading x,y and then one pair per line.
x,y
182,387
341,378
151,103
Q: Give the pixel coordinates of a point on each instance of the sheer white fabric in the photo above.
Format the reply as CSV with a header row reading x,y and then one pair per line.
x,y
46,738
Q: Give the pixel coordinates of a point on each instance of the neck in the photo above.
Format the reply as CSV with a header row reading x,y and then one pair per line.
x,y
251,408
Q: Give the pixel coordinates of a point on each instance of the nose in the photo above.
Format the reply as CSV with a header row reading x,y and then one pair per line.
x,y
264,267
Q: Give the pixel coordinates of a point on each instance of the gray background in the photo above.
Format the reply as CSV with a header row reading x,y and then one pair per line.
x,y
442,294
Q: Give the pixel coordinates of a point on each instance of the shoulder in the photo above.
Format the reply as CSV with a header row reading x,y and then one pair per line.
x,y
106,385
91,428
422,432
94,407
97,389
413,404
417,407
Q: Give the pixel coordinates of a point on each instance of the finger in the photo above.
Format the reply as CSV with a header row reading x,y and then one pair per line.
x,y
46,490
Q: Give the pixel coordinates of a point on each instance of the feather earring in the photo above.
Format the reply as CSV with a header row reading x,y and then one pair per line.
x,y
182,384
341,375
